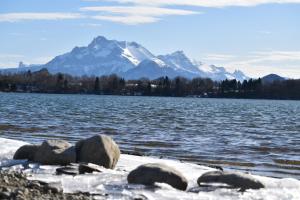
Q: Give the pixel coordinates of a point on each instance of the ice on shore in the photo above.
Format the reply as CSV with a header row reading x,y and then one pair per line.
x,y
114,183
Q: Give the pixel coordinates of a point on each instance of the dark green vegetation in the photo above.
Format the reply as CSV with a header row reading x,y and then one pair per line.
x,y
44,82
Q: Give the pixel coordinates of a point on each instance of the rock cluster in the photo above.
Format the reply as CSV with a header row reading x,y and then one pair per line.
x,y
99,149
92,154
14,185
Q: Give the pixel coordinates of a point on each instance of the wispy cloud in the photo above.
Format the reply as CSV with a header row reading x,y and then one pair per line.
x,y
259,63
139,10
130,15
16,17
276,56
218,57
91,24
129,20
133,15
9,60
11,56
204,3
12,60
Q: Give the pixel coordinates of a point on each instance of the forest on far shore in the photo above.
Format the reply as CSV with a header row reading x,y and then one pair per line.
x,y
44,82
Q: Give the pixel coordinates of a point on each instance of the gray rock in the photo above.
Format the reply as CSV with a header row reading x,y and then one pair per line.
x,y
69,170
234,179
89,168
5,195
26,152
55,152
100,150
148,174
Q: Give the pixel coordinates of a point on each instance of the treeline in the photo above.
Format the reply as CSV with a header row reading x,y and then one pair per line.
x,y
44,82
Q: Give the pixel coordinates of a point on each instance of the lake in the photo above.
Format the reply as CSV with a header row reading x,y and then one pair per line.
x,y
259,136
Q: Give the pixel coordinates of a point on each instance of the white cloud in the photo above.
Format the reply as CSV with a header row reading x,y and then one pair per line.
x,y
289,56
259,63
9,56
139,10
133,15
9,60
204,3
15,17
12,60
91,24
219,57
129,20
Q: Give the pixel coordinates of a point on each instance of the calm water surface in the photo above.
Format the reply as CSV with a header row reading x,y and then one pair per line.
x,y
260,136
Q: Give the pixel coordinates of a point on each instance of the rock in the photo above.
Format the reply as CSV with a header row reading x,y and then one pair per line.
x,y
26,152
55,152
5,195
234,179
89,168
100,150
148,174
34,184
53,187
69,170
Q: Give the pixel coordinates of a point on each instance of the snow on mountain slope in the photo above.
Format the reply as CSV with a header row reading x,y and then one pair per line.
x,y
150,69
220,73
136,53
105,57
179,61
102,57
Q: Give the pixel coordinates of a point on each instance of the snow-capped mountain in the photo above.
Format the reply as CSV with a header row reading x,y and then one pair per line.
x,y
100,57
129,60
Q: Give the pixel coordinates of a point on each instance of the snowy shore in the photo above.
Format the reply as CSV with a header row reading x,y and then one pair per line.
x,y
114,185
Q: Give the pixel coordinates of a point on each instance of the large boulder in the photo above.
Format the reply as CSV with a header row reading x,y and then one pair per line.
x,y
148,174
26,152
55,152
234,179
100,150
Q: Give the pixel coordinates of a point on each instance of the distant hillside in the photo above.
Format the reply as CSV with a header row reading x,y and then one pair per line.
x,y
271,78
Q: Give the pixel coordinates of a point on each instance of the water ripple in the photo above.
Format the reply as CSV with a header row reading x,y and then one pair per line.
x,y
253,135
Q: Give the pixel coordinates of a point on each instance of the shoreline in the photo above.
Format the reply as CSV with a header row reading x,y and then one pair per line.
x,y
184,97
15,185
113,184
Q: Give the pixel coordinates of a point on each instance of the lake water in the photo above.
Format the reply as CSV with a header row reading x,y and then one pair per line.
x,y
260,136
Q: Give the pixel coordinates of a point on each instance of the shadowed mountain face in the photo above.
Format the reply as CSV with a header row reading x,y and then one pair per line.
x,y
271,78
129,60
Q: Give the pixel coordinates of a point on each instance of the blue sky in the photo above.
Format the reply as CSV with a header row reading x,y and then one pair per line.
x,y
256,36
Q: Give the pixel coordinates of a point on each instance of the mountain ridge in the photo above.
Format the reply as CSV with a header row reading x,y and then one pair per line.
x,y
129,60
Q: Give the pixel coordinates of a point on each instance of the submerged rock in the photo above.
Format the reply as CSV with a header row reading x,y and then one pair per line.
x,y
26,152
88,168
234,179
148,174
55,152
100,150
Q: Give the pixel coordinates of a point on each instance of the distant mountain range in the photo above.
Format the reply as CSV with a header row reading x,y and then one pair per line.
x,y
129,60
